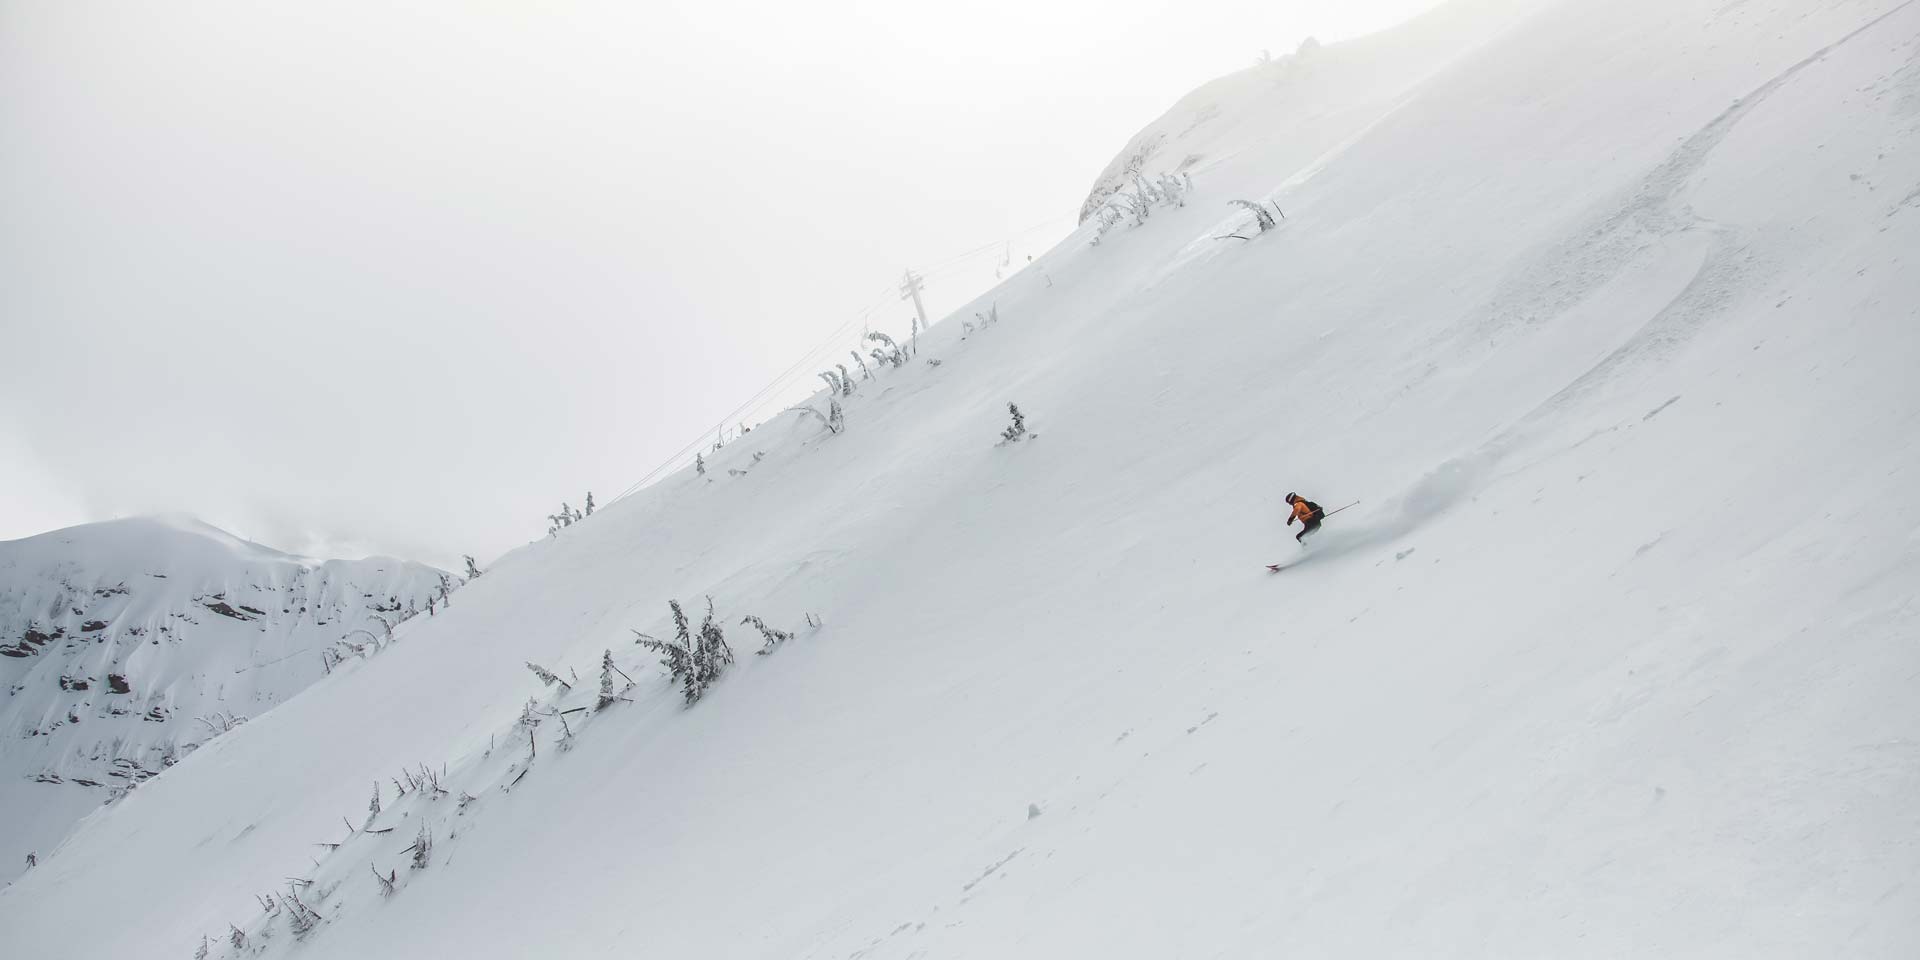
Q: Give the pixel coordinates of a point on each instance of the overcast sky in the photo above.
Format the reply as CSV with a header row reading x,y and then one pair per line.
x,y
399,277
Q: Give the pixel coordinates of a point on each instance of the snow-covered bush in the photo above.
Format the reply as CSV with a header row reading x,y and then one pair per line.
x,y
846,381
833,423
700,464
387,880
301,918
694,659
547,677
773,637
607,670
422,847
892,352
833,382
1018,430
473,572
865,374
1165,190
1260,214
567,517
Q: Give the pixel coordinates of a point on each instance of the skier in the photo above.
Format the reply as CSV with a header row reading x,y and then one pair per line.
x,y
1307,512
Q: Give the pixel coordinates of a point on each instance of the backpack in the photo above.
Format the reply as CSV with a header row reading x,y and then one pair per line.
x,y
1317,512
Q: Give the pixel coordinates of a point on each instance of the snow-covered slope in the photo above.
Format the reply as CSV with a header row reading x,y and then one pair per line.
x,y
1608,327
125,645
1305,100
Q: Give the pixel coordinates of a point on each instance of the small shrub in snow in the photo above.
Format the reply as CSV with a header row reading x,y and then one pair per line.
x,y
422,847
236,937
832,424
607,670
892,353
833,382
1018,430
547,677
836,421
1260,214
589,503
693,659
773,637
300,917
846,380
387,880
865,374
373,806
473,572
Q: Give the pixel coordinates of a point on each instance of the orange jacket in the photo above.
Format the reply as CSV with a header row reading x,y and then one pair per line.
x,y
1301,512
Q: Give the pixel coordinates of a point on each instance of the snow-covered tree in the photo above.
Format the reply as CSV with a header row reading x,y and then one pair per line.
x,y
676,654
373,806
700,464
473,572
714,653
833,382
1018,430
865,374
773,637
846,380
607,696
695,659
836,421
589,503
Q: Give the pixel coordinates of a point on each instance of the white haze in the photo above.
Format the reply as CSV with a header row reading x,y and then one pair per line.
x,y
399,278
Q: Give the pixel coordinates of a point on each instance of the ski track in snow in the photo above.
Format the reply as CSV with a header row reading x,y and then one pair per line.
x,y
1595,255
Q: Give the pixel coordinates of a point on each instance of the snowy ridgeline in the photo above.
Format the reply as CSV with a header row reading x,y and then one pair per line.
x,y
126,645
1601,315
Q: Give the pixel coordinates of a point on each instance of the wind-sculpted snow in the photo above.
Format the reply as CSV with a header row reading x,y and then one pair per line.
x,y
1603,315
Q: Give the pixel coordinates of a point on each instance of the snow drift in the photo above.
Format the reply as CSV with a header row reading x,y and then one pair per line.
x,y
1607,325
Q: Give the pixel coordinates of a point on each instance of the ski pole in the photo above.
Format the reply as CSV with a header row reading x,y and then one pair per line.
x,y
1332,512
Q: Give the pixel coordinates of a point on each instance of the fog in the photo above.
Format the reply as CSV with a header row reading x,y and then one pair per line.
x,y
399,278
